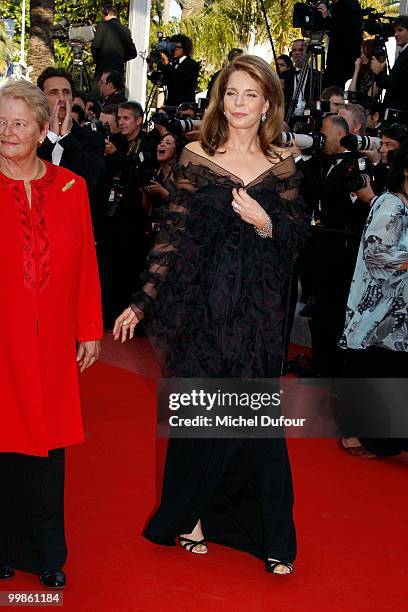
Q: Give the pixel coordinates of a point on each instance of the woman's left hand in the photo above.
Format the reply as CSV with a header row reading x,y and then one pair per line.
x,y
248,209
88,353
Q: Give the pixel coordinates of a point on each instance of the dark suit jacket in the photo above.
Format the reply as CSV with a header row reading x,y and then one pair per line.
x,y
396,85
83,154
116,98
345,27
181,81
325,187
112,46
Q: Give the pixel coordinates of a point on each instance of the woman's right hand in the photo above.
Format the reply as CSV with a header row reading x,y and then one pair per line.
x,y
157,188
124,324
357,64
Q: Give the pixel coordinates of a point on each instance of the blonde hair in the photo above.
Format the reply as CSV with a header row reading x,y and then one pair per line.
x,y
215,130
31,95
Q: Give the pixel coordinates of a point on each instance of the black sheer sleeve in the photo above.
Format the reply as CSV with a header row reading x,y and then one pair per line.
x,y
166,247
290,220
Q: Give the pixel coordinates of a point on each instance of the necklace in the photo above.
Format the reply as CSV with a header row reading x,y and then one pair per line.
x,y
38,173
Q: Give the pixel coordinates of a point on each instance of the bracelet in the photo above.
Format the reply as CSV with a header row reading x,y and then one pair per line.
x,y
266,230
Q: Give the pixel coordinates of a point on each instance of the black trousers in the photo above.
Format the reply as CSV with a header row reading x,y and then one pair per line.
x,y
32,537
378,362
331,264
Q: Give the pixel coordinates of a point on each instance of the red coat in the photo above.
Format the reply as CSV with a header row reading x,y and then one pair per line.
x,y
50,298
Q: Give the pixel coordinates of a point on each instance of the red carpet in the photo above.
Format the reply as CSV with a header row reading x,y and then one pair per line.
x,y
351,518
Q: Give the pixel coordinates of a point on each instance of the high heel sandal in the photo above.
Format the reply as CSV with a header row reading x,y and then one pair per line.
x,y
355,451
271,564
189,545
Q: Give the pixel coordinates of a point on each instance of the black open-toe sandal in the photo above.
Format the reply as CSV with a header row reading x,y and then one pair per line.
x,y
271,564
189,545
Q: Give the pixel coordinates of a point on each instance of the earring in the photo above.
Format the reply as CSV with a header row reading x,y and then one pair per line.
x,y
263,117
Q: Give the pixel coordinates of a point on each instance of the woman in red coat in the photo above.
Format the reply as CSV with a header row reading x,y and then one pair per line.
x,y
50,301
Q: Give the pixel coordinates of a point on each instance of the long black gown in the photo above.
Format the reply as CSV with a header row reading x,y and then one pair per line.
x,y
213,305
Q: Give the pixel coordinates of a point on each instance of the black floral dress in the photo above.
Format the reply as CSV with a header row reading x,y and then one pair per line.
x,y
213,304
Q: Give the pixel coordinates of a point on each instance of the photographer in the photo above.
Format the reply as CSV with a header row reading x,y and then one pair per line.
x,y
231,55
290,79
122,243
115,143
362,84
344,24
78,115
374,113
334,95
331,185
391,139
92,108
109,117
80,99
156,194
396,83
356,118
179,72
112,45
111,88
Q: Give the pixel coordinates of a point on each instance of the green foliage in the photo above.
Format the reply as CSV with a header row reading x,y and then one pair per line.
x,y
224,24
11,9
5,50
221,25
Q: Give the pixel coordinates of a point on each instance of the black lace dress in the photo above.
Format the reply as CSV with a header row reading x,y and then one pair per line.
x,y
213,304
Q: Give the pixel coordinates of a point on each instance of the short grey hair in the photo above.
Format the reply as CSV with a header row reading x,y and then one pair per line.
x,y
358,116
31,95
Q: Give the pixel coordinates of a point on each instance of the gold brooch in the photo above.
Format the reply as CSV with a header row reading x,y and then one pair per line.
x,y
68,185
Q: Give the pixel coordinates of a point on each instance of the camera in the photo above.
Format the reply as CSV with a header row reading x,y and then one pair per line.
x,y
313,114
169,118
380,52
391,115
162,46
193,110
356,180
308,143
202,105
307,16
355,97
378,23
77,33
354,142
97,126
115,196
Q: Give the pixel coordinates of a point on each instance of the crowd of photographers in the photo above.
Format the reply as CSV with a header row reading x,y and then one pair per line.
x,y
344,143
353,139
350,146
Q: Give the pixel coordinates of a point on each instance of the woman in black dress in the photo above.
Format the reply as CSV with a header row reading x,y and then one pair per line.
x,y
213,302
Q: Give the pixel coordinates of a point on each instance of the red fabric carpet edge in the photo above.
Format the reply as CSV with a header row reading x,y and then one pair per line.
x,y
351,517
